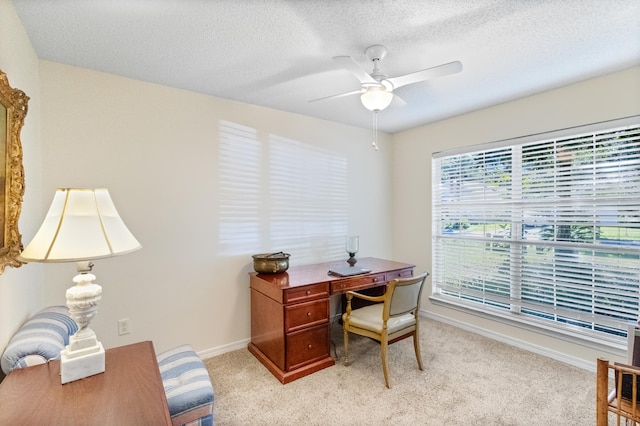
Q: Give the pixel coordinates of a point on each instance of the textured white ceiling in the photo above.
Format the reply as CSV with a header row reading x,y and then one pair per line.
x,y
277,53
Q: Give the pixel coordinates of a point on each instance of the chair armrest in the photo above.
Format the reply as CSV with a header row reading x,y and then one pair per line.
x,y
350,294
40,339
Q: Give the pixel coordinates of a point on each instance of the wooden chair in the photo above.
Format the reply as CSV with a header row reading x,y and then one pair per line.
x,y
622,399
392,318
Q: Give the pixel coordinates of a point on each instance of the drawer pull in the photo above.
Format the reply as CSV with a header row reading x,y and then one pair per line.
x,y
310,347
375,280
308,314
308,292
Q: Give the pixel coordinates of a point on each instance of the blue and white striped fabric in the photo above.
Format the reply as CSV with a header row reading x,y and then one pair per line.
x,y
187,386
40,339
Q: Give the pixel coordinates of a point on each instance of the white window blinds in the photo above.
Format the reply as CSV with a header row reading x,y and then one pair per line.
x,y
546,231
278,194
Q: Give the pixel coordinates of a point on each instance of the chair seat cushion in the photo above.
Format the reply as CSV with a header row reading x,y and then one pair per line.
x,y
187,386
370,318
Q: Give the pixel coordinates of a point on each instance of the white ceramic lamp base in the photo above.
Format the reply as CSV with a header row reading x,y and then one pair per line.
x,y
84,355
74,367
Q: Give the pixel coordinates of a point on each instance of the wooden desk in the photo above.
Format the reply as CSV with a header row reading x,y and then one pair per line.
x,y
290,313
129,392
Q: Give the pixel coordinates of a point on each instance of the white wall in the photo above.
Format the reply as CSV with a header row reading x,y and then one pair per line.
x,y
21,288
606,98
156,149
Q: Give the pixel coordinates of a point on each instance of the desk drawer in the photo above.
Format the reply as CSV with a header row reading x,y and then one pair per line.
x,y
402,273
307,292
307,346
306,314
356,283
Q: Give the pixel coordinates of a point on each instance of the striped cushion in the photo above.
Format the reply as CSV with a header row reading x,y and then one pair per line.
x,y
40,339
187,386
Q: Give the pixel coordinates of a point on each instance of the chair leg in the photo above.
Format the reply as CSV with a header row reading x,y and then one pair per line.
x,y
416,347
384,345
345,360
416,342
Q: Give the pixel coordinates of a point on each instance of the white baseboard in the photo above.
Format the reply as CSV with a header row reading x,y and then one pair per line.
x,y
209,353
540,350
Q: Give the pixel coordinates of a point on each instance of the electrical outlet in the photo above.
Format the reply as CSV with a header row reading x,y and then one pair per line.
x,y
123,327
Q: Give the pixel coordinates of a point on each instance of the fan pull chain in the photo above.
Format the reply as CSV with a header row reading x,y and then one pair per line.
x,y
374,144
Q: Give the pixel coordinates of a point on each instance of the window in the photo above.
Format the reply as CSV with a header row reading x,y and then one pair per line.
x,y
545,229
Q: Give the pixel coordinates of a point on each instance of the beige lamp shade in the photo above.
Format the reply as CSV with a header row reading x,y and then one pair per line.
x,y
82,224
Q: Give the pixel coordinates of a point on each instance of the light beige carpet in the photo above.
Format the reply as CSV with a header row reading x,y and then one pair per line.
x,y
467,379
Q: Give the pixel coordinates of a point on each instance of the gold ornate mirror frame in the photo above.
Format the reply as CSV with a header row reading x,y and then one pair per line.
x,y
13,110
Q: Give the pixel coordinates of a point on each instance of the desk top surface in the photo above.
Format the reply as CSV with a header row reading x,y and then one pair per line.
x,y
129,392
319,272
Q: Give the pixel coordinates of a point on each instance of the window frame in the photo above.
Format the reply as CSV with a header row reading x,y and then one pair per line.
x,y
440,293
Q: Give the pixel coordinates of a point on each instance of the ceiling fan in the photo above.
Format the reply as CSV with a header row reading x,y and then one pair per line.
x,y
376,91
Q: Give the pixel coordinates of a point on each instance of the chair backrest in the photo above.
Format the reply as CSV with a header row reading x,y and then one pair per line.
x,y
403,295
622,399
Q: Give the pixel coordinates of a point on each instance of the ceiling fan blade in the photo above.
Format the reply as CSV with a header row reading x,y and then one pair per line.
x,y
355,92
428,74
397,101
348,63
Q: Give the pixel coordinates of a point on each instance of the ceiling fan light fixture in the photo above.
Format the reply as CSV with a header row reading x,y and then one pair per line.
x,y
376,98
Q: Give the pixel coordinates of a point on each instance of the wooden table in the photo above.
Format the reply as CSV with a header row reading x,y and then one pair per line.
x,y
129,392
290,322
